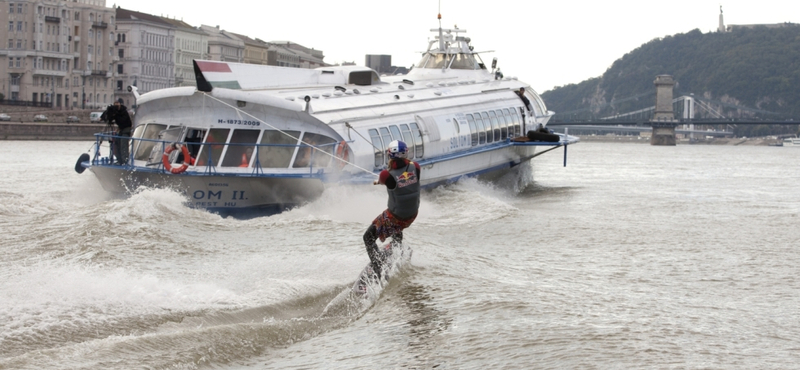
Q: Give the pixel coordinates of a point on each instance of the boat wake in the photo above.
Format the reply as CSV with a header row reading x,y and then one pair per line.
x,y
367,289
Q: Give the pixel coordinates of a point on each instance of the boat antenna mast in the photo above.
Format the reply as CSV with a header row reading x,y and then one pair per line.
x,y
441,38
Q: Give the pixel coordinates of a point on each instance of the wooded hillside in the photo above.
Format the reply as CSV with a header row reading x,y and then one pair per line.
x,y
757,68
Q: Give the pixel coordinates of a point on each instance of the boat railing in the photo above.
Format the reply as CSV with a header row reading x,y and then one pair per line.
x,y
210,154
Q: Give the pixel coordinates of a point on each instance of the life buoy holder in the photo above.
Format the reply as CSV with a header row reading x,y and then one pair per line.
x,y
342,155
178,169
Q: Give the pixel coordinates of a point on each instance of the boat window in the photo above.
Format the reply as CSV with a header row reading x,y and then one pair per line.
x,y
173,134
481,129
276,148
512,112
433,61
503,124
361,78
308,156
137,133
495,125
455,123
513,122
454,61
409,139
464,61
194,136
488,125
473,129
212,150
240,148
386,136
395,133
419,151
151,132
377,146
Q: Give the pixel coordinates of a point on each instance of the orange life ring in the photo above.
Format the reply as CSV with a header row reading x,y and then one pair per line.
x,y
342,154
179,169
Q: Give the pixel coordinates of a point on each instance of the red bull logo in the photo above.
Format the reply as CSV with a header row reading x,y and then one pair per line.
x,y
405,179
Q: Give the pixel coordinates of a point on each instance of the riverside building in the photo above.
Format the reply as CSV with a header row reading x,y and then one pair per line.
x,y
57,54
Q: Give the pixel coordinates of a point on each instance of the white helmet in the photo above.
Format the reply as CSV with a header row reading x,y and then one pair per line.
x,y
397,149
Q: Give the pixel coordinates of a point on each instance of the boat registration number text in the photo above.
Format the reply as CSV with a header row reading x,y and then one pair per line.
x,y
239,122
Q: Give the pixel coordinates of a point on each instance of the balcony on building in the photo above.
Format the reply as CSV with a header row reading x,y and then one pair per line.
x,y
48,72
99,25
48,18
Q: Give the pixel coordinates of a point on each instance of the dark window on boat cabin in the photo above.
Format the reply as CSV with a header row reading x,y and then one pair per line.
x,y
277,148
503,124
481,129
495,125
172,134
308,154
194,138
464,61
513,122
419,151
241,148
137,133
214,145
408,139
512,112
488,124
151,132
473,129
361,78
377,146
395,133
386,137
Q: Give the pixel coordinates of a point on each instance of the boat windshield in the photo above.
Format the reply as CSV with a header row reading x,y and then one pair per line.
x,y
453,61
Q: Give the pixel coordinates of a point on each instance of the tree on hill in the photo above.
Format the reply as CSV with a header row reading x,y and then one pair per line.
x,y
755,68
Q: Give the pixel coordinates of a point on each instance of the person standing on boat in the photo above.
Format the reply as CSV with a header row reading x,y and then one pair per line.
x,y
118,114
521,94
402,183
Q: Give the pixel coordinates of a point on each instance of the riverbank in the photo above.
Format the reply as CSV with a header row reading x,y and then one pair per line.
x,y
758,141
49,131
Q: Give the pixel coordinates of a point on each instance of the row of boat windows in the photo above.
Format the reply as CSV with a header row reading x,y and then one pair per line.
x,y
235,147
494,125
453,61
484,128
408,133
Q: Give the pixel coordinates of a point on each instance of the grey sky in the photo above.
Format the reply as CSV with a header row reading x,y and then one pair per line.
x,y
543,43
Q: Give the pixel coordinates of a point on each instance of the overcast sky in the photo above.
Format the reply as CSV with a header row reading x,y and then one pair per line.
x,y
543,43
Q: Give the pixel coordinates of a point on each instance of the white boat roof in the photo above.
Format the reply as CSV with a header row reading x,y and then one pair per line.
x,y
448,69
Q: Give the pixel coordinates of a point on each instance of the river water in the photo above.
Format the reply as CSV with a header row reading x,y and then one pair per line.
x,y
631,257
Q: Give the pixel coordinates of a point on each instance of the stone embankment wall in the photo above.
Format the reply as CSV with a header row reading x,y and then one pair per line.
x,y
22,127
25,114
49,131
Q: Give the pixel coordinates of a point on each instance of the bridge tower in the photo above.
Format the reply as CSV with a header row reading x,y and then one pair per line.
x,y
663,121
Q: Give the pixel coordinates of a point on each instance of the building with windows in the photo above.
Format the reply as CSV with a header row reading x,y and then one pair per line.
x,y
190,44
255,50
223,46
289,54
145,45
380,63
57,53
